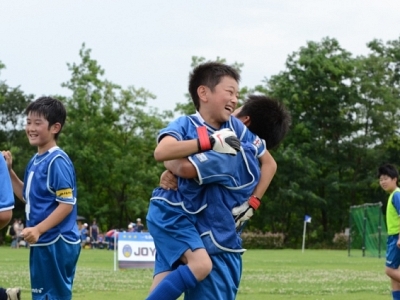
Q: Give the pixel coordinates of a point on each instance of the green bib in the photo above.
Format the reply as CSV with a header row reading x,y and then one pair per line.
x,y
392,217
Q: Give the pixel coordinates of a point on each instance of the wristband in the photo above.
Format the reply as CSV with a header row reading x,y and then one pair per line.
x,y
254,202
203,142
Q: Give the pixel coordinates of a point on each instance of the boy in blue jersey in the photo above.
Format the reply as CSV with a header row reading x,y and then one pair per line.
x,y
6,207
49,191
388,180
270,120
171,216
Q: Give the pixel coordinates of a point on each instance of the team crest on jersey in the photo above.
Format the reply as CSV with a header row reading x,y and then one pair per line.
x,y
65,193
201,157
257,142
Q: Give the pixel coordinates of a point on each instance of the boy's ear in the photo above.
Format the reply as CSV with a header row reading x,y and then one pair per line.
x,y
202,92
246,120
55,128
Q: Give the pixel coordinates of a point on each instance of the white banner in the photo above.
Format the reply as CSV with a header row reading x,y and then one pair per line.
x,y
136,250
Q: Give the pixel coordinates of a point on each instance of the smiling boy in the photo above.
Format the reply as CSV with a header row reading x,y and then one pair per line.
x,y
49,191
171,217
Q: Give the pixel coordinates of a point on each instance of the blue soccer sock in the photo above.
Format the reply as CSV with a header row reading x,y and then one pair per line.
x,y
174,284
396,295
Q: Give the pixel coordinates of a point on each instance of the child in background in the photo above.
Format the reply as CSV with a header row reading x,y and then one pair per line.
x,y
388,180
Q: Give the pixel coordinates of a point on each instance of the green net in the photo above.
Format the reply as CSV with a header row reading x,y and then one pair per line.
x,y
367,230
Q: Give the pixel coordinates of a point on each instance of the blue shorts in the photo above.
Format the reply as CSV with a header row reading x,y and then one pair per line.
x,y
52,269
174,233
222,282
392,252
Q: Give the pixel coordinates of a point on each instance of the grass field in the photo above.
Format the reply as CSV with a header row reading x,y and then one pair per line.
x,y
267,274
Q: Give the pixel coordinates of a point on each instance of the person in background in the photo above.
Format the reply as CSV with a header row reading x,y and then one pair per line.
x,y
84,235
21,241
14,234
388,180
94,233
139,226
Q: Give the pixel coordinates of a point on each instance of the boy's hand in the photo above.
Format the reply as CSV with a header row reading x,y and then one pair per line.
x,y
245,211
30,234
168,181
225,141
222,141
8,157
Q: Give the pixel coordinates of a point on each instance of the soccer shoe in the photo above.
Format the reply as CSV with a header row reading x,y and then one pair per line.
x,y
13,294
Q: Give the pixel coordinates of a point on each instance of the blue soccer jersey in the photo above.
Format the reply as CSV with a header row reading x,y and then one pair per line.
x,y
49,180
6,194
232,184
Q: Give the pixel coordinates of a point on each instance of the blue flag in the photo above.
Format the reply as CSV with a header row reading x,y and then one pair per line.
x,y
307,219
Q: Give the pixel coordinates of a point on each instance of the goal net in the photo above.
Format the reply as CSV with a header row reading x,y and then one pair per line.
x,y
367,230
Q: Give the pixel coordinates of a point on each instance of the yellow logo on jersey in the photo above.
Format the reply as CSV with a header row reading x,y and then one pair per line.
x,y
65,193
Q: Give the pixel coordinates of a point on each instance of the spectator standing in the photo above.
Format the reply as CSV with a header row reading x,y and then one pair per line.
x,y
94,233
139,226
84,234
15,234
19,233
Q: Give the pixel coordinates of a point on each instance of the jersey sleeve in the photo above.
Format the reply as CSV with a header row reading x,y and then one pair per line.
x,y
234,172
246,136
62,180
6,194
214,167
176,129
396,202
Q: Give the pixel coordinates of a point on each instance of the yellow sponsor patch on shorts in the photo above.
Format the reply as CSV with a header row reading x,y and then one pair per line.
x,y
65,193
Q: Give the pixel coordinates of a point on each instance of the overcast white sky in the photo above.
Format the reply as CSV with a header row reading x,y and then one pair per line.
x,y
149,43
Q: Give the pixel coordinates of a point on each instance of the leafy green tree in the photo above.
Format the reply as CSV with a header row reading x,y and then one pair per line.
x,y
329,158
13,102
110,136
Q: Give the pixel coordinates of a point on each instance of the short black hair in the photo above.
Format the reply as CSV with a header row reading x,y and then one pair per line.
x,y
388,170
269,118
51,109
209,74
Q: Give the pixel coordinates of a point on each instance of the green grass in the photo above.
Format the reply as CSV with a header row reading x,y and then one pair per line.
x,y
267,274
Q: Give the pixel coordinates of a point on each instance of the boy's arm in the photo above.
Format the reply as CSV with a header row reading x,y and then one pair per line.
x,y
170,148
17,184
268,169
181,167
245,211
223,141
32,234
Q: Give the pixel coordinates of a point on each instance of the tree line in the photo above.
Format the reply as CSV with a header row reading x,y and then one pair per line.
x,y
345,123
